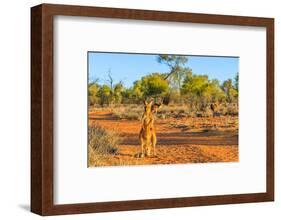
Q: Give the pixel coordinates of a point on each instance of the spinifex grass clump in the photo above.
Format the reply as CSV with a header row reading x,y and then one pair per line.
x,y
103,141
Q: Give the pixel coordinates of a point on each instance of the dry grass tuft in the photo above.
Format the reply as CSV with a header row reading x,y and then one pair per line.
x,y
102,142
130,112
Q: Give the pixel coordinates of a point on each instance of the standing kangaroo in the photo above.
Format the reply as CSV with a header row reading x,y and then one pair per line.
x,y
147,133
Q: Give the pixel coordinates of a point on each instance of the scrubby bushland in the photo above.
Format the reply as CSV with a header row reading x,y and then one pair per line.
x,y
180,86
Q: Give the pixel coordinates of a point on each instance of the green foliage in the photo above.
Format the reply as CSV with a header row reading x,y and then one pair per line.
x,y
117,92
178,71
236,82
137,92
173,61
213,92
178,86
92,93
199,91
104,94
127,95
230,91
153,85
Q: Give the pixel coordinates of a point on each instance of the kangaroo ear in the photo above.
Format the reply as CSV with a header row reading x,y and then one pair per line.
x,y
144,102
151,101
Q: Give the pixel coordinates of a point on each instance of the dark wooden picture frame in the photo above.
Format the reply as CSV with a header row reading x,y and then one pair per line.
x,y
42,108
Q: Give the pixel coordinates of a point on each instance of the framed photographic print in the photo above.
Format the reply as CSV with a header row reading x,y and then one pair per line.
x,y
138,109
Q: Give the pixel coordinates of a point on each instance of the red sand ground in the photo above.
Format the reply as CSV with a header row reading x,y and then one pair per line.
x,y
187,140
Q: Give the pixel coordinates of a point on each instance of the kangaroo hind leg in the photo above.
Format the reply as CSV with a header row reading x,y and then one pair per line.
x,y
153,141
142,147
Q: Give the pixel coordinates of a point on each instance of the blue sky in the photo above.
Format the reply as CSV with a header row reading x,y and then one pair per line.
x,y
131,67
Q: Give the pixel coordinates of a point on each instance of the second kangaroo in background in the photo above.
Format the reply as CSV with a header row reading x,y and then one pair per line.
x,y
147,133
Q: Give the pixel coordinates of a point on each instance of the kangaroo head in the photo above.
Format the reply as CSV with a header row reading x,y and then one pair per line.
x,y
148,106
156,106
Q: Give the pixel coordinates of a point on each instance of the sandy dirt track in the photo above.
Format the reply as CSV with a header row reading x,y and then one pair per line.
x,y
176,144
